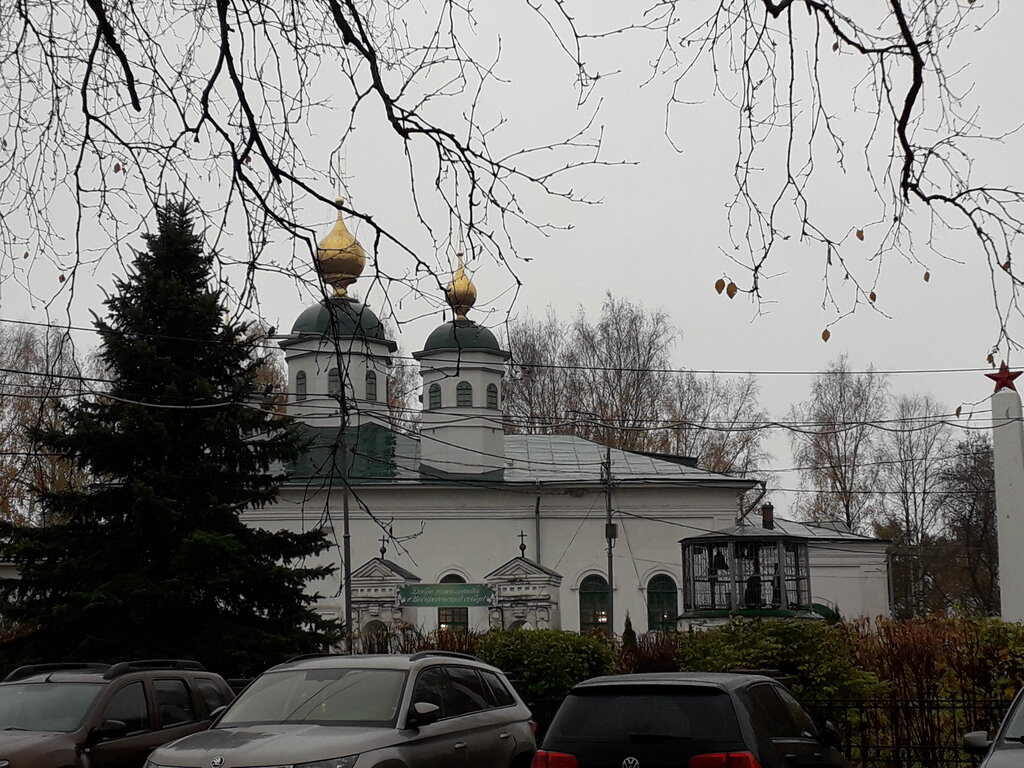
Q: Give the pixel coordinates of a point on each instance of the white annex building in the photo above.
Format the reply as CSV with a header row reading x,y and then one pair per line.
x,y
461,525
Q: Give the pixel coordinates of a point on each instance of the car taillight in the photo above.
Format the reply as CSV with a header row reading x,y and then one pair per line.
x,y
545,759
725,760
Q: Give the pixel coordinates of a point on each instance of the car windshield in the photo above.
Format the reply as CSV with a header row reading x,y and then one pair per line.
x,y
365,697
45,706
649,713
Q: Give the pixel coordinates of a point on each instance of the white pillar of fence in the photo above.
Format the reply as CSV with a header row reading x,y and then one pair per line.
x,y
1008,457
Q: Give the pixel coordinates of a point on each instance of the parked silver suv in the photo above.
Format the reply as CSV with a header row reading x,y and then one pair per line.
x,y
428,710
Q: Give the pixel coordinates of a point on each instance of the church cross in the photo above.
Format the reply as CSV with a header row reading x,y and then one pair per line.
x,y
522,543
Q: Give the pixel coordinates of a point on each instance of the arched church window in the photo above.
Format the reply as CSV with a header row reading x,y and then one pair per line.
x,y
453,618
333,382
300,386
434,396
492,396
464,394
594,605
371,386
662,603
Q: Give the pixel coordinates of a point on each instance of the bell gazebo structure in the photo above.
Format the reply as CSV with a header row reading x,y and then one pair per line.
x,y
745,571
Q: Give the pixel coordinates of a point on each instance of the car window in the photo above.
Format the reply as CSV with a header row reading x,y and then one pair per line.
x,y
365,697
803,722
773,713
632,713
46,706
173,701
467,691
499,694
214,695
432,688
129,706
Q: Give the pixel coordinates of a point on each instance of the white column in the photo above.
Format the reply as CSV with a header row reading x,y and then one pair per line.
x,y
1008,456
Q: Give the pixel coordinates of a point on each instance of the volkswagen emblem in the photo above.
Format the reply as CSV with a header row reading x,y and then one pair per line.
x,y
629,762
217,762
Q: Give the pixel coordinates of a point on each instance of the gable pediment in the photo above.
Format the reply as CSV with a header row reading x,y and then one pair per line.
x,y
521,569
379,571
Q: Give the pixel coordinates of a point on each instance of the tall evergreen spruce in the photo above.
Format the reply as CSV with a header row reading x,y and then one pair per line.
x,y
153,560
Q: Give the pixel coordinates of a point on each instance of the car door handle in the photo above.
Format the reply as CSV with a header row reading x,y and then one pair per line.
x,y
502,735
460,745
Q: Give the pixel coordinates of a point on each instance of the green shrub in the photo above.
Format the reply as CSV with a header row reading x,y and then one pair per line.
x,y
816,659
545,663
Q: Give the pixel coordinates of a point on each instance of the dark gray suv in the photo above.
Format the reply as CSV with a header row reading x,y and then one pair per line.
x,y
79,715
694,719
428,710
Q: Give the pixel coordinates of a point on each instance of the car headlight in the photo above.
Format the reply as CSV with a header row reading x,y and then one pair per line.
x,y
335,762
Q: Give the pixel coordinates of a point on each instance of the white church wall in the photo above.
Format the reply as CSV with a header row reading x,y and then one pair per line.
x,y
473,531
853,576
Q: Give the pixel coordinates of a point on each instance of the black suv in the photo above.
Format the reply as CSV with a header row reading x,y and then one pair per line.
x,y
103,715
694,719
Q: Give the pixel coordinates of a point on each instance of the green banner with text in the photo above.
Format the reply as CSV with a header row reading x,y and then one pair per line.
x,y
444,595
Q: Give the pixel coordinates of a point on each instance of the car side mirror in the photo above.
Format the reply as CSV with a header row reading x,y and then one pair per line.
x,y
422,713
976,742
110,729
829,735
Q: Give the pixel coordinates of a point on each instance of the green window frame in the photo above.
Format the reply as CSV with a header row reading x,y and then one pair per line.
x,y
662,603
594,604
454,619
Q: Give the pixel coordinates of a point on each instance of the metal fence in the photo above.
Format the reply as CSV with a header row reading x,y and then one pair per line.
x,y
890,733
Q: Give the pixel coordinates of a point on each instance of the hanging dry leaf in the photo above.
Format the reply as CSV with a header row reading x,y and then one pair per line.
x,y
826,335
25,256
957,411
860,234
117,167
927,276
872,296
61,278
719,285
835,46
730,291
1006,266
991,360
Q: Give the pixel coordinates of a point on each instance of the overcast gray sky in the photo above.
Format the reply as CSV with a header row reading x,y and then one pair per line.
x,y
659,235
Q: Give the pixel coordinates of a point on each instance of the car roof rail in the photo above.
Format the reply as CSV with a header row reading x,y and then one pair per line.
x,y
304,656
64,666
124,667
448,654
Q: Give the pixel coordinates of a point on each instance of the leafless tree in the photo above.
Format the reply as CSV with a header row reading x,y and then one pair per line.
x,y
797,73
612,381
721,422
108,105
914,454
834,437
38,369
968,575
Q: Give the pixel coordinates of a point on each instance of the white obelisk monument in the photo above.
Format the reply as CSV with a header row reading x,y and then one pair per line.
x,y
1008,460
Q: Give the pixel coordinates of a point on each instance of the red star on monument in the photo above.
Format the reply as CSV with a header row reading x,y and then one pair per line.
x,y
1004,378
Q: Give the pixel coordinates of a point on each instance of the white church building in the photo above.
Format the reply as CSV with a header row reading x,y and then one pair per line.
x,y
461,525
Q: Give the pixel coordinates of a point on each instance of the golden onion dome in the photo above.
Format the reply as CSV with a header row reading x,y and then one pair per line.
x,y
461,293
342,258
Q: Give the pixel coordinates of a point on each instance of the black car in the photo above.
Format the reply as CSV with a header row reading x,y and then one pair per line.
x,y
79,715
1007,748
688,720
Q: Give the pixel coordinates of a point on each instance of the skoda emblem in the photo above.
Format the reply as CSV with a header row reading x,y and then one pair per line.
x,y
218,762
629,762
